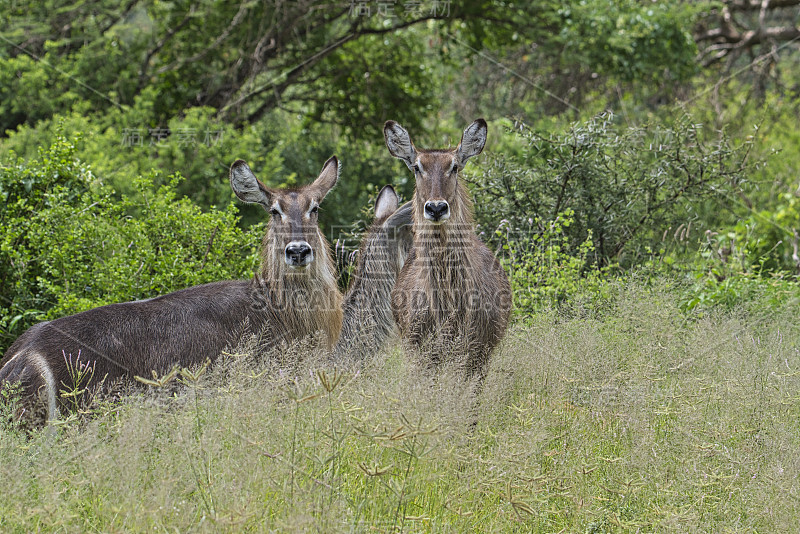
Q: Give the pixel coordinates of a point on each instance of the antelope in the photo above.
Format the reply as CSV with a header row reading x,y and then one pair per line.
x,y
452,298
368,320
294,295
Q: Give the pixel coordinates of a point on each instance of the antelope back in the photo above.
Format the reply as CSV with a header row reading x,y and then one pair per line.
x,y
368,322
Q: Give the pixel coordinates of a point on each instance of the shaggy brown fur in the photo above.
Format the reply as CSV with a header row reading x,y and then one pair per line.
x,y
368,321
280,304
452,299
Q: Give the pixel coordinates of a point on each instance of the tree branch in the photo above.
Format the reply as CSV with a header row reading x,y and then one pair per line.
x,y
237,19
727,36
290,76
164,40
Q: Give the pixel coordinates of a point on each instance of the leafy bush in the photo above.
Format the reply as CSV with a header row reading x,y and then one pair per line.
x,y
709,291
68,245
122,144
281,150
543,270
769,238
624,184
739,266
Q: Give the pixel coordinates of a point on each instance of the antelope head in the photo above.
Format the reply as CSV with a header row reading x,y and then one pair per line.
x,y
293,238
437,194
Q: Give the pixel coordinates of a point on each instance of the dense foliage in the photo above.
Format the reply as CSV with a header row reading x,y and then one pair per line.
x,y
349,64
545,268
625,186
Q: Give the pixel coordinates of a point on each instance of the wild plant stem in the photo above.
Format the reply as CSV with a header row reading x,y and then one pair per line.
x,y
208,500
411,452
206,504
291,462
333,445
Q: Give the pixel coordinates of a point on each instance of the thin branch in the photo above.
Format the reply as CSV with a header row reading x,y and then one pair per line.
x,y
120,17
164,40
279,84
237,19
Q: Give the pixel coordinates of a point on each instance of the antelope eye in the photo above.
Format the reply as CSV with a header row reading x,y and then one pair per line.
x,y
274,212
455,169
315,209
416,169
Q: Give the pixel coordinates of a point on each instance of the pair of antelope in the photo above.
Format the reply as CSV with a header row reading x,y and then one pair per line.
x,y
443,287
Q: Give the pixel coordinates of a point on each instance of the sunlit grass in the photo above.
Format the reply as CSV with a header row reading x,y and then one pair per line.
x,y
633,419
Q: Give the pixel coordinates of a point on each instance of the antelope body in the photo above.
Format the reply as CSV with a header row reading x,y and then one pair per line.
x,y
452,299
294,295
368,321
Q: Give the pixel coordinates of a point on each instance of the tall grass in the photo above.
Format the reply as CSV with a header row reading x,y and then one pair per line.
x,y
634,419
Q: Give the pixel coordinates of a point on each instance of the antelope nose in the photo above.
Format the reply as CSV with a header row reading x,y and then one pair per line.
x,y
298,254
437,210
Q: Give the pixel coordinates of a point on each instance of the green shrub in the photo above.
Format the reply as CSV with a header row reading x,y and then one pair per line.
x,y
768,239
738,267
624,184
543,269
709,291
619,39
68,245
122,144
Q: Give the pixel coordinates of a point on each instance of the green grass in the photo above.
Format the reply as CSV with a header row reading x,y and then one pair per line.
x,y
636,419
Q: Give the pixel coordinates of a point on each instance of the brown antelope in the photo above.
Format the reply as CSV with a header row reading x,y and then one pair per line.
x,y
294,295
368,320
452,298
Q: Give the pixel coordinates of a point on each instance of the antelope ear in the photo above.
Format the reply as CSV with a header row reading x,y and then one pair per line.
x,y
247,187
472,141
387,202
327,178
399,143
